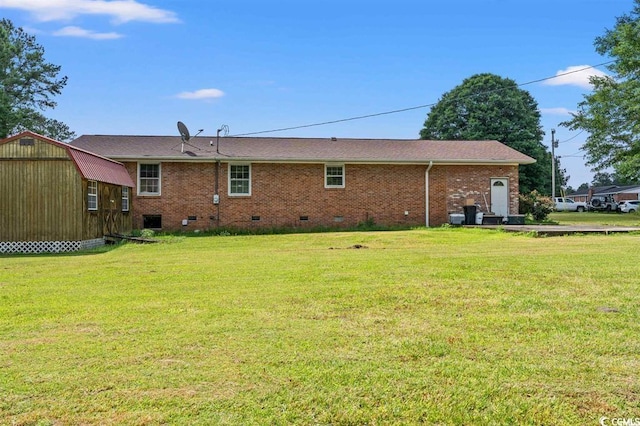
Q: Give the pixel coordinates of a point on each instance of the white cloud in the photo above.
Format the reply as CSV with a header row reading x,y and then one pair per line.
x,y
120,11
557,111
32,30
82,33
201,94
576,75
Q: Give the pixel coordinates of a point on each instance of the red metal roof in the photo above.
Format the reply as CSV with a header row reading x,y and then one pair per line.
x,y
97,168
91,166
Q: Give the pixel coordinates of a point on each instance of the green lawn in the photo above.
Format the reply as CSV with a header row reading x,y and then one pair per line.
x,y
596,218
441,326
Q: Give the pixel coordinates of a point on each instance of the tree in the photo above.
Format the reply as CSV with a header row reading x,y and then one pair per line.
x,y
607,179
611,112
28,85
487,106
584,187
602,179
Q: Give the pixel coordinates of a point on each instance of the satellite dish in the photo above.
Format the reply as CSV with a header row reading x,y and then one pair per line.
x,y
184,132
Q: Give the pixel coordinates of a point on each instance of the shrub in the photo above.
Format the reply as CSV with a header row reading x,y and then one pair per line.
x,y
147,233
368,224
537,205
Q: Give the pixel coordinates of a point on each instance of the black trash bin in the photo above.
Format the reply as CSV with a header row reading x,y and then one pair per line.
x,y
469,215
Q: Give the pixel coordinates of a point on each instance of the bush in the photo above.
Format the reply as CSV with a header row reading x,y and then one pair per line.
x,y
536,205
147,233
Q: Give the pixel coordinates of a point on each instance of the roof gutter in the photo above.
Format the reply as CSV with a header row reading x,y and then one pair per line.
x,y
478,162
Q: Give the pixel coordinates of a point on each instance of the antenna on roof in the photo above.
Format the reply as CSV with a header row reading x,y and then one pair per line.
x,y
184,134
225,131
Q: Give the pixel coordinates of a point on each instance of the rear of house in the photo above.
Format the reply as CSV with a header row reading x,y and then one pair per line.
x,y
55,197
306,182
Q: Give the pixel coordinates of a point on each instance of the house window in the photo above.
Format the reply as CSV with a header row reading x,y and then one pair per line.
x,y
240,179
125,199
92,195
334,176
148,179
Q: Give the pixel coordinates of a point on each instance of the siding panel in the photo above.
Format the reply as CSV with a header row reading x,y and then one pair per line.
x,y
40,200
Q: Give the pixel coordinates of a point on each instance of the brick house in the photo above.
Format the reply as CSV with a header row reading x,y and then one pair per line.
x,y
618,192
247,182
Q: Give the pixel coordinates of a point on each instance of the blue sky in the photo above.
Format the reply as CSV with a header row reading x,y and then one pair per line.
x,y
139,66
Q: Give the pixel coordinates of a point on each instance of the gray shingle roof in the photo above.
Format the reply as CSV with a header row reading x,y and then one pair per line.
x,y
607,190
203,148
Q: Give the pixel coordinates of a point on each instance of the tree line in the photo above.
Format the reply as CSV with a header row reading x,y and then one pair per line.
x,y
483,106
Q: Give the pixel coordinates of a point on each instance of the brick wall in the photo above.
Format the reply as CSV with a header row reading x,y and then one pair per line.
x,y
451,186
284,195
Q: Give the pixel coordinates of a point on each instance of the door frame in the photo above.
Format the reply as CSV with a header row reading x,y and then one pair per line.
x,y
507,194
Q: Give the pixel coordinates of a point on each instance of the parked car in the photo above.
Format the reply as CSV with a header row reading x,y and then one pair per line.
x,y
603,202
628,206
569,205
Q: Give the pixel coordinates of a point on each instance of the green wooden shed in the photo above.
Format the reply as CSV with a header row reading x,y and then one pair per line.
x,y
55,197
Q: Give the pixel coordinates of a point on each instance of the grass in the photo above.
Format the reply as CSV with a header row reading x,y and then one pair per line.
x,y
596,218
440,326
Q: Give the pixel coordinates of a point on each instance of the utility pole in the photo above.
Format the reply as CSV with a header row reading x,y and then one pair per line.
x,y
554,145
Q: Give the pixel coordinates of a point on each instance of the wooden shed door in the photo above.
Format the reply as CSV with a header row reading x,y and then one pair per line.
x,y
110,209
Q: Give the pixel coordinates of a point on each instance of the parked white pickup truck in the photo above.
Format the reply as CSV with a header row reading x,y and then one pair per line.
x,y
568,205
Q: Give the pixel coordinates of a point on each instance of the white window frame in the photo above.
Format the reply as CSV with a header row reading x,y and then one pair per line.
x,y
140,192
92,195
229,186
327,176
126,194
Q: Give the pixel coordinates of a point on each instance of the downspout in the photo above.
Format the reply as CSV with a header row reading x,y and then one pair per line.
x,y
216,195
426,185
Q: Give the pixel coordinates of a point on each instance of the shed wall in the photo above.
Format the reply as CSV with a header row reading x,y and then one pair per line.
x,y
40,194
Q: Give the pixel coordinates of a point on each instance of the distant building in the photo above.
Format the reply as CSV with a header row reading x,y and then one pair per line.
x,y
618,192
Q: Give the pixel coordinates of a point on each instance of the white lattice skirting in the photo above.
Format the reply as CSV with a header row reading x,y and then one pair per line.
x,y
48,246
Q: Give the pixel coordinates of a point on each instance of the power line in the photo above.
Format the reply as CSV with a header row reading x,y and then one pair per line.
x,y
397,111
573,137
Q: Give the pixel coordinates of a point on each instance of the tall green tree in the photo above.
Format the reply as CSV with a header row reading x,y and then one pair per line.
x,y
29,84
487,106
611,112
606,179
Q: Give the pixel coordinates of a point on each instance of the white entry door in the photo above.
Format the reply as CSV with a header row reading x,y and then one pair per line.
x,y
500,196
